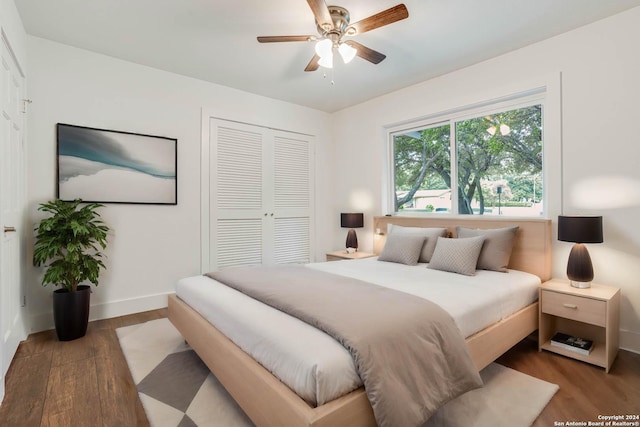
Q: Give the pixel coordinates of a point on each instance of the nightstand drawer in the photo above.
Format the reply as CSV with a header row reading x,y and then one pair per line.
x,y
582,309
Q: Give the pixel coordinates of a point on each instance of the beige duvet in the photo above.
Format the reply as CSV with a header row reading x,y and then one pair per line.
x,y
408,352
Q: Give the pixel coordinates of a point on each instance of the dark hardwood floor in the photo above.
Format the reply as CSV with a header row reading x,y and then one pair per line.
x,y
86,382
586,391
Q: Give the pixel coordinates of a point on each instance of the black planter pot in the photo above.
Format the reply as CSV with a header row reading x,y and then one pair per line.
x,y
71,312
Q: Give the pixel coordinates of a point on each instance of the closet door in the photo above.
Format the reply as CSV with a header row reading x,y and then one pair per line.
x,y
292,175
260,200
237,195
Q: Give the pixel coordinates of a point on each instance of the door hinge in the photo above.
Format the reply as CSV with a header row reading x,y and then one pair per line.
x,y
25,102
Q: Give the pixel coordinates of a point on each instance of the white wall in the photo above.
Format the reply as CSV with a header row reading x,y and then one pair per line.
x,y
150,247
600,92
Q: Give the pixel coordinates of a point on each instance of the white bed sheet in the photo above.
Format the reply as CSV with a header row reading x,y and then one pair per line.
x,y
316,366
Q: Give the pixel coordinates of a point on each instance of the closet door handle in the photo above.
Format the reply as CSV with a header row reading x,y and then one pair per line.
x,y
9,229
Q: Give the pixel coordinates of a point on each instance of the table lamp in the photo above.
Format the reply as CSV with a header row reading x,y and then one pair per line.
x,y
351,221
580,230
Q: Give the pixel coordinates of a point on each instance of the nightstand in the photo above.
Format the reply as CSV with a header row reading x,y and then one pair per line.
x,y
343,254
592,313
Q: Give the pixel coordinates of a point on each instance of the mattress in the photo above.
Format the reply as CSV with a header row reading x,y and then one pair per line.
x,y
314,365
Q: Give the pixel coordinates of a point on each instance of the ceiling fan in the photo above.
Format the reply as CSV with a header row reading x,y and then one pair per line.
x,y
334,25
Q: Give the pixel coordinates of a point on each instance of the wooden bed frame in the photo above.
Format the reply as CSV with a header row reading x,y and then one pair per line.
x,y
269,402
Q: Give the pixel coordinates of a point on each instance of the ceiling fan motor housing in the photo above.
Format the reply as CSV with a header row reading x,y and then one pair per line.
x,y
340,18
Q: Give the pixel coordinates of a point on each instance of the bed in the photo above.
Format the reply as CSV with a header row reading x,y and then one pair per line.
x,y
268,401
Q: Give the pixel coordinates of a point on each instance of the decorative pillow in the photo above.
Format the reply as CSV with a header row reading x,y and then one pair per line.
x,y
431,237
457,255
402,248
498,244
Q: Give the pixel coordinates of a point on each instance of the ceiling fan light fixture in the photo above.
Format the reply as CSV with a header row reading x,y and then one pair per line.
x,y
324,48
347,52
333,23
326,61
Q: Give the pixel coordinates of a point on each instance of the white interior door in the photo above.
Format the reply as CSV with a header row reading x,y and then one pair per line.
x,y
11,196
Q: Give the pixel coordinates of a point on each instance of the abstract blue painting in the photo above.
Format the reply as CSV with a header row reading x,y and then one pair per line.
x,y
106,166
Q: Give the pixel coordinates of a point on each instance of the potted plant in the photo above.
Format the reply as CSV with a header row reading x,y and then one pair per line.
x,y
69,243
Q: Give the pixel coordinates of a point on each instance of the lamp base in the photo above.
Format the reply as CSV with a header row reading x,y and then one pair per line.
x,y
581,285
352,240
579,267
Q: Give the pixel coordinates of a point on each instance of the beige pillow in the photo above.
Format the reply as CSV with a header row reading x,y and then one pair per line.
x,y
402,248
431,237
457,255
497,247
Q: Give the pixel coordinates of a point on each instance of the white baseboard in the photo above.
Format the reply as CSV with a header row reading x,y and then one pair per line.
x,y
44,321
630,341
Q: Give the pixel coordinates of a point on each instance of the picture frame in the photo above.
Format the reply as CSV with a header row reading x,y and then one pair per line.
x,y
110,166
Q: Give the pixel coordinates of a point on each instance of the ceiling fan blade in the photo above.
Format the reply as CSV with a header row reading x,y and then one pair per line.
x,y
386,17
321,13
366,53
313,64
276,39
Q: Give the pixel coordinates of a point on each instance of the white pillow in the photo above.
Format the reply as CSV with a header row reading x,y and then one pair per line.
x,y
457,255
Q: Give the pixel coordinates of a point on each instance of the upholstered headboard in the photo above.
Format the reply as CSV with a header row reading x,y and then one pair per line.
x,y
531,248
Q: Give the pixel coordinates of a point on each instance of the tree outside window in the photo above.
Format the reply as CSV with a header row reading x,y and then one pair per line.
x,y
498,161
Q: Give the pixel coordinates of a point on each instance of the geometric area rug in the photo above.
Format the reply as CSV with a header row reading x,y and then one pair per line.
x,y
175,387
178,390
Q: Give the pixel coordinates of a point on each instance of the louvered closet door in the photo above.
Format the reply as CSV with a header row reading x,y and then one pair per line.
x,y
292,203
237,201
260,196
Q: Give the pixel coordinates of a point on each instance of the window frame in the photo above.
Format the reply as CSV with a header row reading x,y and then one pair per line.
x,y
524,99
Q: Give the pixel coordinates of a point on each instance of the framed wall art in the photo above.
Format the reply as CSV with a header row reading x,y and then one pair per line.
x,y
108,166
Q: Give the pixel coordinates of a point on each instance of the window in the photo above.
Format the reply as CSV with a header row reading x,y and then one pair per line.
x,y
490,158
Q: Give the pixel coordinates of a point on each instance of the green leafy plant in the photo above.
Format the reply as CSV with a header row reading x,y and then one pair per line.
x,y
69,241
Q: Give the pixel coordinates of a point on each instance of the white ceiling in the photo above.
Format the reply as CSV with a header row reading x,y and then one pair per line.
x,y
215,40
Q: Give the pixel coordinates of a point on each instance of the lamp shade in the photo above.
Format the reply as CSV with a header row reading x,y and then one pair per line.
x,y
326,61
351,220
347,52
324,48
580,229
